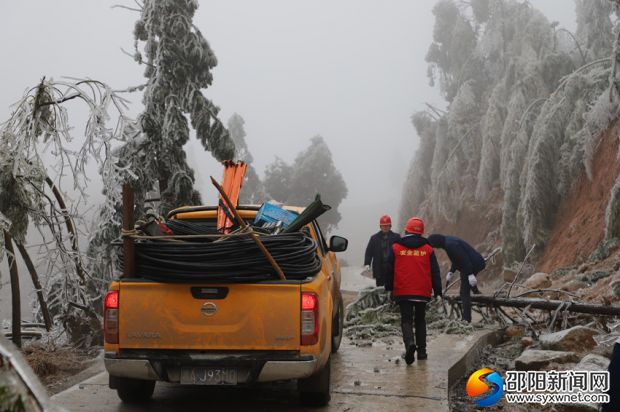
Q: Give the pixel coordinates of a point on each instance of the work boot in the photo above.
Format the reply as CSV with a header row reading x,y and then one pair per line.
x,y
410,354
422,355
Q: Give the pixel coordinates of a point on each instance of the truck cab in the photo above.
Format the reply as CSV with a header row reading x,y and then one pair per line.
x,y
226,333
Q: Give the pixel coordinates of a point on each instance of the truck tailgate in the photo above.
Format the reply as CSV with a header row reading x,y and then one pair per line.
x,y
209,317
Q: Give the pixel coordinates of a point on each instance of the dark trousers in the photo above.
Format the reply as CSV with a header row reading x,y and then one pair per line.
x,y
466,296
407,322
380,277
614,382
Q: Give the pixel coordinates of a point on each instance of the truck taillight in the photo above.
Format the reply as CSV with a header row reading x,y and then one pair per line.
x,y
309,318
110,317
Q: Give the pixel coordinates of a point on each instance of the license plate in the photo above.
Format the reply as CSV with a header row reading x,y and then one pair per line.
x,y
208,376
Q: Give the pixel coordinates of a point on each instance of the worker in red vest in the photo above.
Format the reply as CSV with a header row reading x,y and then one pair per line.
x,y
412,277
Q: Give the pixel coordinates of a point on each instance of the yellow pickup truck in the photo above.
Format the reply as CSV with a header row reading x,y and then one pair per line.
x,y
238,333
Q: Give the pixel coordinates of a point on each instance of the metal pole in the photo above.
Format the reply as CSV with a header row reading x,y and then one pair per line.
x,y
129,265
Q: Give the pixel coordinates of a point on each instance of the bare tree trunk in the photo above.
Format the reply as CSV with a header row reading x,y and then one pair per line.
x,y
15,297
70,227
47,319
544,304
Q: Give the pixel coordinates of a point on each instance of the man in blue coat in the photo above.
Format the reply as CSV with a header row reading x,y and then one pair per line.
x,y
614,381
466,260
377,251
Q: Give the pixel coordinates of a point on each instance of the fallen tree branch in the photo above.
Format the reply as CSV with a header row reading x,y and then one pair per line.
x,y
520,270
70,227
529,292
544,304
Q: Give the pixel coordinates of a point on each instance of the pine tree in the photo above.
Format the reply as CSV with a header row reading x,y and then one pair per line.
x,y
312,172
252,191
178,63
277,181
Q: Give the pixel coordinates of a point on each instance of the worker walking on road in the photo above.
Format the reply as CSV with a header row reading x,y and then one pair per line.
x,y
413,275
378,249
467,261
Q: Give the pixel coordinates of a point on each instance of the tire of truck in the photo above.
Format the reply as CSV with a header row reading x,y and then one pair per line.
x,y
337,327
134,390
315,390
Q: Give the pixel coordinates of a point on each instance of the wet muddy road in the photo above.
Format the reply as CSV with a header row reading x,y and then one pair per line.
x,y
372,378
363,379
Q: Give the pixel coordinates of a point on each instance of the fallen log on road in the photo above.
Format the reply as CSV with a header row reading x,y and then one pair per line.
x,y
539,303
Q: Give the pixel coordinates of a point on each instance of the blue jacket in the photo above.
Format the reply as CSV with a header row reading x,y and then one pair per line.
x,y
464,258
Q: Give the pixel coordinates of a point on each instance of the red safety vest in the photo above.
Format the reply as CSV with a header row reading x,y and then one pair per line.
x,y
412,271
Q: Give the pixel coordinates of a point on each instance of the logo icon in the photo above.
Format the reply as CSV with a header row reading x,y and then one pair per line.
x,y
209,309
485,387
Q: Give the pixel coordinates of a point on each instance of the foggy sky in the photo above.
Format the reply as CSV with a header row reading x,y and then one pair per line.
x,y
350,70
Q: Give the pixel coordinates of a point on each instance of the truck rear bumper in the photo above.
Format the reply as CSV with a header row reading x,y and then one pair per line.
x,y
251,367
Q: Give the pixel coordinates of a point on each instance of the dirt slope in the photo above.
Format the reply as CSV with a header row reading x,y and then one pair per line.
x,y
479,224
580,223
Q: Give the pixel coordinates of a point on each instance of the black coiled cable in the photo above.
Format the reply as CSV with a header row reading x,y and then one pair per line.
x,y
235,259
184,227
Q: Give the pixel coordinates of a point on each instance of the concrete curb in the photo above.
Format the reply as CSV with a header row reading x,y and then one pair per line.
x,y
80,385
469,358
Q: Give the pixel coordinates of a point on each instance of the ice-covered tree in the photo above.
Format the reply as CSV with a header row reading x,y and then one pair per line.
x,y
178,62
252,191
44,180
594,27
451,56
277,180
312,172
491,130
537,100
418,181
236,128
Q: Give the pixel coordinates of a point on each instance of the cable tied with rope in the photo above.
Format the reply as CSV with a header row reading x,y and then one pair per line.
x,y
231,257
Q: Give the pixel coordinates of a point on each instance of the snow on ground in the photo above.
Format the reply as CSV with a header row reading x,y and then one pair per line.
x,y
353,281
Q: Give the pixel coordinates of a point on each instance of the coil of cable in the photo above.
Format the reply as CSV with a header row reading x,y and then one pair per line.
x,y
236,259
184,227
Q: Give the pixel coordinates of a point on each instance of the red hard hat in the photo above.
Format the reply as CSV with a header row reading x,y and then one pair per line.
x,y
415,225
385,220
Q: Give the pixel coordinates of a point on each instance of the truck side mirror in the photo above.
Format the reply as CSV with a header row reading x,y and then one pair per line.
x,y
338,244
